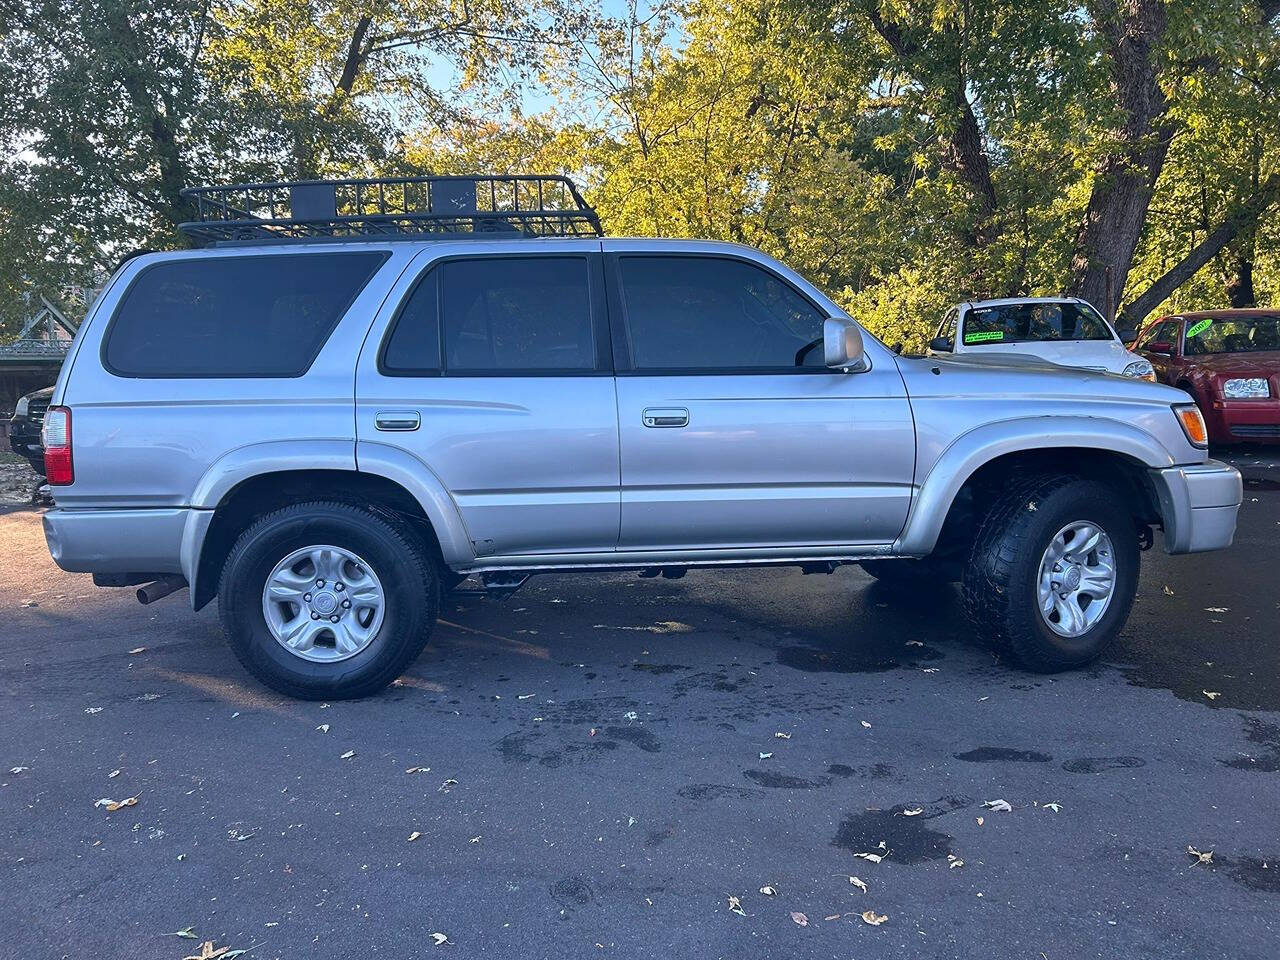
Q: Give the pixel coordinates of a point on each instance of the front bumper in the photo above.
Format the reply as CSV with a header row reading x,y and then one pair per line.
x,y
1244,421
116,541
1198,504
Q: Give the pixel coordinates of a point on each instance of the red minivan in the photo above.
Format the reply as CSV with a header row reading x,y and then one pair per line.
x,y
1229,361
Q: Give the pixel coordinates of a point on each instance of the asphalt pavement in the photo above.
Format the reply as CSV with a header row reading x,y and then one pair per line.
x,y
596,766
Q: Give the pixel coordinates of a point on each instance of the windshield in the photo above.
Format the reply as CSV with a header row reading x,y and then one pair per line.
x,y
1234,335
1033,323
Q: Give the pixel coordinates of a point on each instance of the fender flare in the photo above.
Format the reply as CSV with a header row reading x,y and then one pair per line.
x,y
257,459
970,451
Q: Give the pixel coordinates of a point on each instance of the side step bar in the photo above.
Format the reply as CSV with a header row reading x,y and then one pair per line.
x,y
500,584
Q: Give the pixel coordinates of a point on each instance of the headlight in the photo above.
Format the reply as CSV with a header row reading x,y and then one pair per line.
x,y
21,409
1245,388
1140,370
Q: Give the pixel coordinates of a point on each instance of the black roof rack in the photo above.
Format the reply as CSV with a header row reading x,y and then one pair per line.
x,y
391,207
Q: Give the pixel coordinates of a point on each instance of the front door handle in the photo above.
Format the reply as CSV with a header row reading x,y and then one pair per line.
x,y
665,417
397,420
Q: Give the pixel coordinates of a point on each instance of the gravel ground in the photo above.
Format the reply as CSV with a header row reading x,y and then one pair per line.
x,y
16,479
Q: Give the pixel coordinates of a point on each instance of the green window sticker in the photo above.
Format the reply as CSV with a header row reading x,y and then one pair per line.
x,y
984,336
1198,328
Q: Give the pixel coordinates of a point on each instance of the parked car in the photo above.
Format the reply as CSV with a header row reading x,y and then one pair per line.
x,y
325,423
25,426
1062,330
1229,361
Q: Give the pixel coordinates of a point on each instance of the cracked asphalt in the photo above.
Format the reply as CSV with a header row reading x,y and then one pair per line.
x,y
600,763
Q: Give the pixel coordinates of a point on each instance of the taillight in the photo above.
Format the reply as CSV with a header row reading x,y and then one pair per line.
x,y
56,437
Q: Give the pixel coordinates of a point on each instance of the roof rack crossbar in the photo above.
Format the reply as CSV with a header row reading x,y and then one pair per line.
x,y
527,205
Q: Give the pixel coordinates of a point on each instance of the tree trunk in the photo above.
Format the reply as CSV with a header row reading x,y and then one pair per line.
x,y
1243,219
1240,282
1126,177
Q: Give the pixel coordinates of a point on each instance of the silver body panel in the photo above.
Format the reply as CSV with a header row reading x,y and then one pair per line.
x,y
534,472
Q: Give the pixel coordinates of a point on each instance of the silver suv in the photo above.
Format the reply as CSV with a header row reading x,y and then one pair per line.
x,y
343,407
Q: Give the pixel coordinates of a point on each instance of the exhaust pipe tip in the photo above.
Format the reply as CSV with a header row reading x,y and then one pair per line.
x,y
159,589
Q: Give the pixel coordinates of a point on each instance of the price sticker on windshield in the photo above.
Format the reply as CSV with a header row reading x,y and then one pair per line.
x,y
984,336
1198,328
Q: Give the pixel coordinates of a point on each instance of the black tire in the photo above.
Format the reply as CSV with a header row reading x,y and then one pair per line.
x,y
908,573
1001,576
410,583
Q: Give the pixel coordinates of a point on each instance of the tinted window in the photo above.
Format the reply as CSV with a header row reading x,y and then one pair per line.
x,y
516,314
1159,333
716,313
414,346
1032,323
263,316
1232,335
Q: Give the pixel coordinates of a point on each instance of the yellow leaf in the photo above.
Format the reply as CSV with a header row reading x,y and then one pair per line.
x,y
872,918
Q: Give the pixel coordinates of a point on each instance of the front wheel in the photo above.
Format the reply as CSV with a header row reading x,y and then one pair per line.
x,y
327,600
1053,572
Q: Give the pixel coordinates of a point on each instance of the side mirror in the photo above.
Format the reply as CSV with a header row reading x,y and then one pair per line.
x,y
1127,335
1158,346
842,344
941,344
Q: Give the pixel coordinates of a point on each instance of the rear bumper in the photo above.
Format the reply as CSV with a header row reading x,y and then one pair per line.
x,y
1198,504
116,541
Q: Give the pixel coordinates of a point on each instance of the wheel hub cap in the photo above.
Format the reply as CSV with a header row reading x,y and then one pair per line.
x,y
1077,578
323,603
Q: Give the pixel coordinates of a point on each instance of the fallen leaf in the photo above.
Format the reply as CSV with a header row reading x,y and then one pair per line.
x,y
980,821
954,861
186,933
348,755
915,643
418,770
867,725
834,916
526,696
735,906
768,891
782,736
1216,609
873,857
239,837
414,836
136,650
444,787
799,918
323,728
209,952
930,669
440,939
765,756
474,840
1205,857
1055,807
113,774
873,919
983,699
114,805
998,806
92,710
914,812
19,769
858,883
1211,694
1167,591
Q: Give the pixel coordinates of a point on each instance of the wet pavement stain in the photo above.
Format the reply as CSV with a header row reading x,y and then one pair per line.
x,y
870,771
717,791
782,781
571,892
1101,764
1002,755
1260,875
855,660
1265,735
908,840
638,736
657,669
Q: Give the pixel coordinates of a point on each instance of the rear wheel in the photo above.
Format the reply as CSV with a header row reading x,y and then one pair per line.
x,y
1053,571
327,600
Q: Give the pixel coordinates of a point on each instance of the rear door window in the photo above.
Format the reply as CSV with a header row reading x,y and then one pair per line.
x,y
518,315
225,317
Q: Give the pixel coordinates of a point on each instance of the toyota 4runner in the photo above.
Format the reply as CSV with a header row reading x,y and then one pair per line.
x,y
360,393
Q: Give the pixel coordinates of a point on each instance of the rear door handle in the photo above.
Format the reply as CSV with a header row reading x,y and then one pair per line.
x,y
665,417
397,420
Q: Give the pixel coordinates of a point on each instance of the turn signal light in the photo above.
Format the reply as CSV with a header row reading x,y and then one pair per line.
x,y
1192,424
56,437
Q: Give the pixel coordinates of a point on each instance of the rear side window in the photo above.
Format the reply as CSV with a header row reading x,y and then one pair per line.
x,y
495,315
253,316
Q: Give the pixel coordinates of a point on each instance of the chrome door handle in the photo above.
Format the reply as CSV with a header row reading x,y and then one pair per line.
x,y
665,417
397,420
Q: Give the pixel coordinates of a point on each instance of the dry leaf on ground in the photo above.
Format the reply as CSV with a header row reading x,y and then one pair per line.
x,y
414,836
782,736
186,933
735,906
1211,694
998,806
799,918
440,939
1168,592
136,650
872,918
1055,807
765,756
323,728
1205,857
114,805
858,883
954,861
913,812
348,755
873,857
769,891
